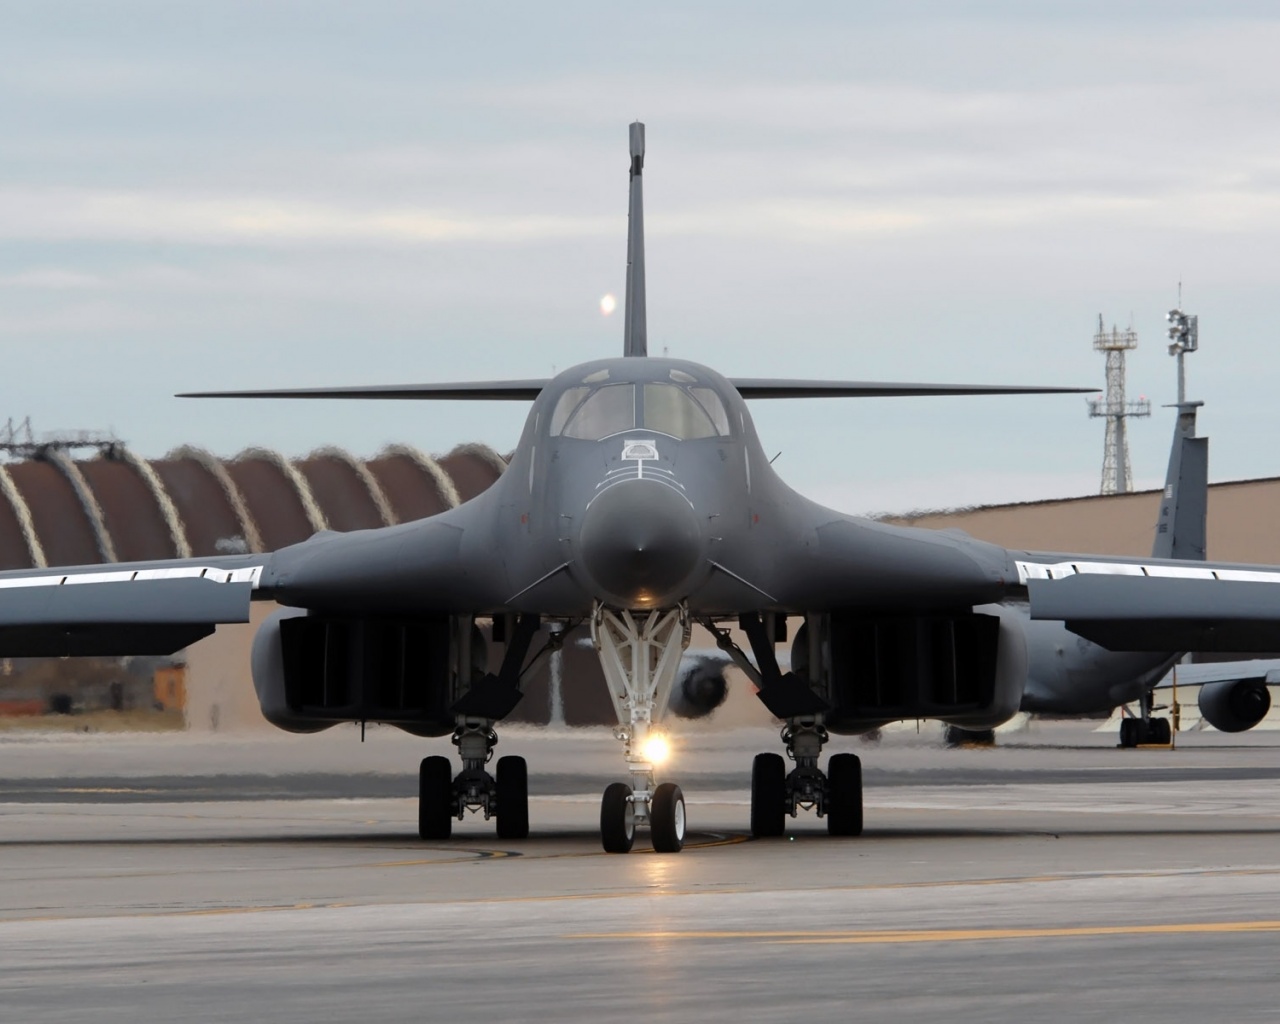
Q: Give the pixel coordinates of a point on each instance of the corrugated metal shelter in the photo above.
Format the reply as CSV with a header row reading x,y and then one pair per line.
x,y
119,507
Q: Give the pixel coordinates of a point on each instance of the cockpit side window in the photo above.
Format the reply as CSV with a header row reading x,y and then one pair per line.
x,y
714,406
674,411
565,408
605,411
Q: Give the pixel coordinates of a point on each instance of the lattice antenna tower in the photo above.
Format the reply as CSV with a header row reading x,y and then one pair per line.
x,y
19,441
1117,475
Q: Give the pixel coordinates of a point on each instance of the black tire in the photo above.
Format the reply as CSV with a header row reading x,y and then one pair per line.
x,y
435,798
958,737
768,796
1130,732
666,818
844,795
512,778
1159,731
617,819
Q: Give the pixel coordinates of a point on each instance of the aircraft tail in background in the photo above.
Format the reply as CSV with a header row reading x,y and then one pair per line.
x,y
1180,526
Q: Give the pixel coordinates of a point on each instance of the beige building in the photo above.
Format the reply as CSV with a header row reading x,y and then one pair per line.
x,y
1242,523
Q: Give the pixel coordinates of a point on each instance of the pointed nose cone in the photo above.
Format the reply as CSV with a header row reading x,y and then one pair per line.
x,y
640,544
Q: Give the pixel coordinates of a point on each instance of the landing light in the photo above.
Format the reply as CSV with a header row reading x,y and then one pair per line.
x,y
656,749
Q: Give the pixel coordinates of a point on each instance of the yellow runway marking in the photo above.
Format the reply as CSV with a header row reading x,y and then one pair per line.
x,y
1081,876
947,935
220,911
871,886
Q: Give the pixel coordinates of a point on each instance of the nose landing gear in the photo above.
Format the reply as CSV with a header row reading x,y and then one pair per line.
x,y
640,656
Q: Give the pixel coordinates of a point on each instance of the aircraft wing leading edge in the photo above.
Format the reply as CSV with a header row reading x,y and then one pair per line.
x,y
509,390
767,387
144,608
1226,609
748,387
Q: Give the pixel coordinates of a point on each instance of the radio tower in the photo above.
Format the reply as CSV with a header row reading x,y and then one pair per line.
x,y
1117,477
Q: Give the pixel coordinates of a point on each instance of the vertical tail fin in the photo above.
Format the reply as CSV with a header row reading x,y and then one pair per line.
x,y
1180,528
635,341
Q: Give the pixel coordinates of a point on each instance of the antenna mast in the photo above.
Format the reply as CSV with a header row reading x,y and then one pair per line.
x,y
1117,475
1184,337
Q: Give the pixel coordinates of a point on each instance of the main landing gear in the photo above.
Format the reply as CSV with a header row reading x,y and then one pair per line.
x,y
504,795
488,699
640,656
954,736
775,794
1136,732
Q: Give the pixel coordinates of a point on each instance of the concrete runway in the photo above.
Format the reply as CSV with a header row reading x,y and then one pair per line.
x,y
274,877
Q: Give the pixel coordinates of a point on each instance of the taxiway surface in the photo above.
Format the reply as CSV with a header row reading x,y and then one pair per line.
x,y
1054,878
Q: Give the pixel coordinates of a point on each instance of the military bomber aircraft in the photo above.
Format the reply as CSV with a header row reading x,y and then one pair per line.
x,y
639,502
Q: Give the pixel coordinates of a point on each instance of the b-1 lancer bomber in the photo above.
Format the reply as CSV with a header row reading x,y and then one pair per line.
x,y
639,503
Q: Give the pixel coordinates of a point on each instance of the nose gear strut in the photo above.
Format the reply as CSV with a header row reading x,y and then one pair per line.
x,y
640,656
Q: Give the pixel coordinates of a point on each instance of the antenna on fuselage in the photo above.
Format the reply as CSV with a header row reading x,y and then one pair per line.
x,y
635,338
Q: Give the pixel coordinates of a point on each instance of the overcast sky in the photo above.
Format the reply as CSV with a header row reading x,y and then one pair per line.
x,y
284,194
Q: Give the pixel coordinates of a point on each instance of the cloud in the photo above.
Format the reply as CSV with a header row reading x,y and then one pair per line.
x,y
51,279
35,214
63,214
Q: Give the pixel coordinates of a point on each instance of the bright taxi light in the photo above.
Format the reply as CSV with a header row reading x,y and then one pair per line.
x,y
656,749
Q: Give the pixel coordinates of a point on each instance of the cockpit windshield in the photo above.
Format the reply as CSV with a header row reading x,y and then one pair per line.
x,y
589,414
686,410
672,410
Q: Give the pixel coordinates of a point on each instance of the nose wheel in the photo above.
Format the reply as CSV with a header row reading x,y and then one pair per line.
x,y
617,819
666,818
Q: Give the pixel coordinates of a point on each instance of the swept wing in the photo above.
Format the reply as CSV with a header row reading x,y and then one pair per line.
x,y
748,387
136,608
1158,605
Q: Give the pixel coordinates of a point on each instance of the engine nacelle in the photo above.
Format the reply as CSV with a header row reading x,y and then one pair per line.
x,y
1235,705
701,686
965,669
314,671
266,660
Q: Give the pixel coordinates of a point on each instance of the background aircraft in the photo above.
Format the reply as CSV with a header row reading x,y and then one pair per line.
x,y
639,502
1070,675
